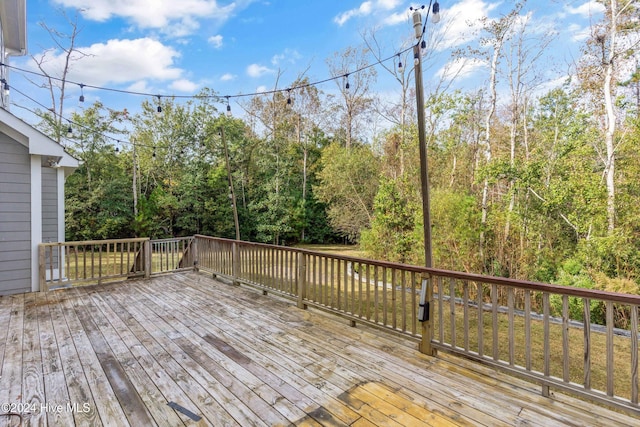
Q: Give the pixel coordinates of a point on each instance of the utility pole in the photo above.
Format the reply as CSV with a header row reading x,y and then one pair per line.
x,y
426,294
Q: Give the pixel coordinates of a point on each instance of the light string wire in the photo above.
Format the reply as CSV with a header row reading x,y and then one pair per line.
x,y
71,122
218,98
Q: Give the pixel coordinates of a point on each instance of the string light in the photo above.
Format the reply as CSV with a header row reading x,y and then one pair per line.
x,y
217,97
435,17
69,132
5,87
78,125
436,13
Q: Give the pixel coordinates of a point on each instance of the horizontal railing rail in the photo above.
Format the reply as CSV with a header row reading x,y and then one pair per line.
x,y
578,340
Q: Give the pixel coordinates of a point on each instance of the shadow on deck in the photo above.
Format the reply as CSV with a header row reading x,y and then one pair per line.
x,y
184,349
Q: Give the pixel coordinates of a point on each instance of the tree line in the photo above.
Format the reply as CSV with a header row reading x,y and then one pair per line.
x,y
524,183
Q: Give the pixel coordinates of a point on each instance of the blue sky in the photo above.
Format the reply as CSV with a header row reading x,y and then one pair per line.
x,y
171,47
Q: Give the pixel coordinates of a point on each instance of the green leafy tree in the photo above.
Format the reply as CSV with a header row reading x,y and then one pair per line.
x,y
348,185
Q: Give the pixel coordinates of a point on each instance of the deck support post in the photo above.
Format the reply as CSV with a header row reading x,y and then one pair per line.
x,y
302,283
235,263
194,254
546,392
42,269
147,258
426,323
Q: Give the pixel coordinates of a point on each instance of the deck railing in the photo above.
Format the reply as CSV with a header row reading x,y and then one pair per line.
x,y
170,255
65,264
577,340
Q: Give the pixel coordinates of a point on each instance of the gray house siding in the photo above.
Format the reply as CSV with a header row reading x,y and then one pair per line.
x,y
49,205
15,217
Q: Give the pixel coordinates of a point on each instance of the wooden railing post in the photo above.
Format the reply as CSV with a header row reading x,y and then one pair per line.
x,y
147,258
235,263
42,269
302,282
426,316
194,254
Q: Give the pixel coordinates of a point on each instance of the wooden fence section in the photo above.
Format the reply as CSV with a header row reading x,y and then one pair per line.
x,y
65,264
577,340
169,255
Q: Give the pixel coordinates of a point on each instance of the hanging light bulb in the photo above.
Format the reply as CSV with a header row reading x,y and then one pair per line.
x,y
435,10
81,99
228,107
154,153
69,132
400,66
288,96
5,87
346,86
159,109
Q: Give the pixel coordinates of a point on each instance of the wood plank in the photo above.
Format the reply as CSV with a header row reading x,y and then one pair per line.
x,y
191,387
76,383
6,302
327,369
192,382
238,394
130,401
381,404
107,405
11,379
143,385
259,356
250,388
32,376
55,386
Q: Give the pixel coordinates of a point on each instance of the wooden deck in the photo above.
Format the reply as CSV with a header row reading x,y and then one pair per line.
x,y
183,346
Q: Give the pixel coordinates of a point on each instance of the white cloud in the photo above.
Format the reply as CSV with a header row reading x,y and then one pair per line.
x,y
228,77
257,70
460,68
396,18
289,56
261,89
389,4
117,61
461,23
377,7
216,41
175,18
184,85
363,10
587,9
578,33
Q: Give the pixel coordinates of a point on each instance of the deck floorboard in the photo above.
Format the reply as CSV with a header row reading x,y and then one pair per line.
x,y
225,355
